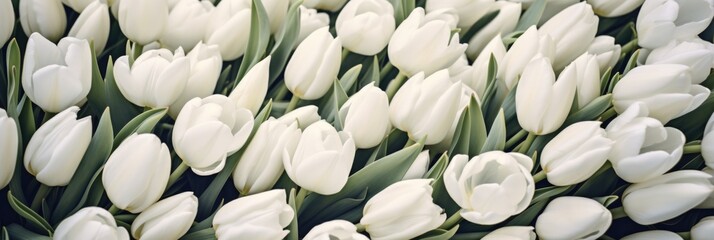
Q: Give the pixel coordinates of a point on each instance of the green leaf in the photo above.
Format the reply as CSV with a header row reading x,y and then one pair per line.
x,y
285,40
5,235
293,227
591,111
28,214
478,25
144,123
439,234
439,167
604,80
96,96
496,139
205,234
546,193
692,124
15,231
13,60
372,74
442,198
353,214
532,15
333,100
350,77
615,78
527,217
258,40
470,135
122,110
632,63
603,182
606,200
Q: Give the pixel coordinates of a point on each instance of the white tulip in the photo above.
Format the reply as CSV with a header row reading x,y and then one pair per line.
x,y
660,21
511,233
704,229
78,5
304,116
576,153
403,210
479,80
365,116
552,7
708,143
572,30
314,65
697,54
169,218
335,229
310,20
186,24
669,92
90,223
588,79
614,8
504,23
205,68
425,107
542,103
143,21
93,25
322,160
528,46
276,10
464,101
261,164
461,71
259,216
573,218
156,79
709,202
606,51
7,21
491,187
228,28
328,5
46,17
8,148
419,167
136,174
209,130
252,89
653,235
365,26
469,11
446,15
424,43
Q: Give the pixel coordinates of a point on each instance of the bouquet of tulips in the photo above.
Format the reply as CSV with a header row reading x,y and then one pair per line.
x,y
359,119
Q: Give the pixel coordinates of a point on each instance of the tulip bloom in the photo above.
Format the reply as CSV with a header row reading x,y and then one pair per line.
x,y
469,11
572,30
511,232
365,116
504,23
93,25
46,17
78,5
310,20
704,229
206,66
529,46
328,5
252,89
186,24
335,229
708,143
227,28
143,21
167,219
90,223
8,147
7,21
661,21
614,8
304,116
696,54
419,167
576,153
479,79
653,235
365,26
314,65
260,216
606,52
573,218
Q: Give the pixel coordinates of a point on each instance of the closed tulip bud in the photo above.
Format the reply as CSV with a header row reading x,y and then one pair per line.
x,y
90,223
588,79
93,25
668,95
227,28
8,147
136,174
251,90
576,153
708,143
644,148
314,66
310,20
511,233
479,80
491,187
419,167
661,21
53,159
46,17
322,160
365,116
365,26
276,10
167,219
209,130
143,21
704,229
424,43
335,229
205,68
78,5
403,210
447,15
186,24
56,77
528,46
572,30
504,23
573,218
709,202
675,193
464,101
606,52
542,103
460,71
425,107
260,216
304,116
469,11
156,79
7,21
261,164
327,5
614,8
653,235
697,54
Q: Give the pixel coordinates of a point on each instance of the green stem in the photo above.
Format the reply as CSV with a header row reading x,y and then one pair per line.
x,y
345,52
282,91
516,138
39,196
630,46
395,84
176,174
300,197
527,143
114,209
385,70
451,221
608,114
360,227
539,176
618,213
293,103
692,149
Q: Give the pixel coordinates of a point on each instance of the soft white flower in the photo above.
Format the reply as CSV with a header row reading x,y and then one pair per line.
x,y
572,30
205,68
606,51
708,143
653,235
251,90
259,216
573,218
511,233
528,46
504,23
576,153
7,21
8,148
310,20
46,17
704,229
697,54
365,26
228,27
79,5
314,65
169,218
365,115
479,80
419,167
588,79
304,116
328,5
143,21
156,79
335,229
614,8
276,10
90,223
469,11
186,24
660,21
93,25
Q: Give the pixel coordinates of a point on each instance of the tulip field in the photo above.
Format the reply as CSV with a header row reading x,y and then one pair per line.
x,y
357,119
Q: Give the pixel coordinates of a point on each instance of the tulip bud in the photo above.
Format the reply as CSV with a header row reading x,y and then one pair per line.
x,y
697,54
668,95
78,5
209,130
588,79
327,5
261,164
704,229
205,68
228,27
576,153
8,148
653,235
304,116
186,24
606,52
93,25
46,17
310,21
676,193
479,80
573,29
644,148
156,79
504,23
365,26
260,216
56,77
708,143
614,8
504,187
419,167
447,15
365,116
528,46
276,11
403,210
251,90
464,101
709,202
53,159
136,174
335,229
512,232
322,160
460,71
573,218
542,103
90,223
314,65
143,21
469,11
7,21
421,45
425,107
661,21
167,219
